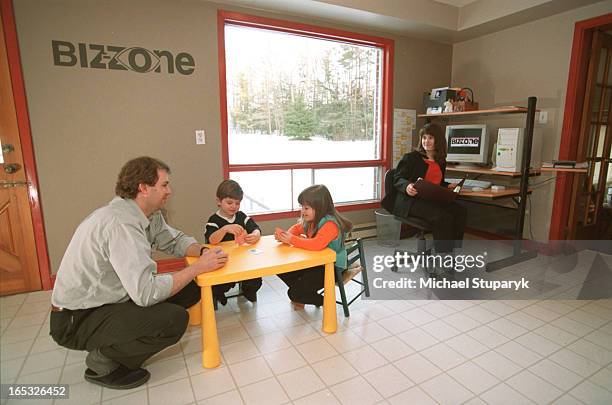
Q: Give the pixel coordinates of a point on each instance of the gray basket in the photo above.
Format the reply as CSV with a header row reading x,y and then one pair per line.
x,y
387,228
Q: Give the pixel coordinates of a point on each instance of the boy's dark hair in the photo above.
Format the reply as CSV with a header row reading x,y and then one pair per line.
x,y
142,170
437,132
229,189
320,199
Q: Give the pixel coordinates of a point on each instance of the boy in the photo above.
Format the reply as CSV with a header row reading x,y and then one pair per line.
x,y
229,223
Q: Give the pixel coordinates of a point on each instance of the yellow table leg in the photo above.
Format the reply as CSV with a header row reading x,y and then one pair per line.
x,y
195,314
330,321
211,357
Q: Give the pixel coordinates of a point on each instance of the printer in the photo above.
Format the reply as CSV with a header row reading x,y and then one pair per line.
x,y
433,101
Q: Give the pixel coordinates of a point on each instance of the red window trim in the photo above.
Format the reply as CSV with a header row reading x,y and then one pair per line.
x,y
387,46
307,165
296,213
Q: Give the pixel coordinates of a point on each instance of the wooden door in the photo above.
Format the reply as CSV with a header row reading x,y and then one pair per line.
x,y
589,219
19,270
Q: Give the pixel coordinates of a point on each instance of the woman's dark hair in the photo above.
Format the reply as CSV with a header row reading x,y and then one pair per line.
x,y
231,189
142,170
319,198
437,132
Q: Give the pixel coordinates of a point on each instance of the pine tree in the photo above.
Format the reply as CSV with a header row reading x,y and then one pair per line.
x,y
299,121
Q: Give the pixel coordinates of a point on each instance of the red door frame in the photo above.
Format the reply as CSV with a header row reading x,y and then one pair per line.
x,y
570,133
25,136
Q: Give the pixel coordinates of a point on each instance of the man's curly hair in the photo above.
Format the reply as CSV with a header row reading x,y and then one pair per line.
x,y
142,170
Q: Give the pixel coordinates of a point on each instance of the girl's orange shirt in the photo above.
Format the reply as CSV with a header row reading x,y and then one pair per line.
x,y
325,235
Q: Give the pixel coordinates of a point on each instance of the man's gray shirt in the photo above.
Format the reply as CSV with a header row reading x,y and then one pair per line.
x,y
109,259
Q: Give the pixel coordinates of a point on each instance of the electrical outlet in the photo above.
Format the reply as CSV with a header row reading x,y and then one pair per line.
x,y
543,117
200,137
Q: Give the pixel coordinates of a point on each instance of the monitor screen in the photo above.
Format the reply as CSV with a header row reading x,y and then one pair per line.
x,y
466,143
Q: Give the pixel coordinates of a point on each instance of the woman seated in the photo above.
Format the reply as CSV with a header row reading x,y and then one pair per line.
x,y
427,162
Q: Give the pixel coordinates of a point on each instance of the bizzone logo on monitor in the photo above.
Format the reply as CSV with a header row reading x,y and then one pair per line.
x,y
465,141
136,59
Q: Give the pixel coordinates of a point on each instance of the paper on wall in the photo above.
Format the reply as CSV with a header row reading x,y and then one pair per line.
x,y
404,123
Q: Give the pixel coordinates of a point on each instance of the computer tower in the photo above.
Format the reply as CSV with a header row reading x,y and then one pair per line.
x,y
509,149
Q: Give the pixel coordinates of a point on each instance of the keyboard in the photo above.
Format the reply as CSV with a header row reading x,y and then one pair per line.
x,y
471,183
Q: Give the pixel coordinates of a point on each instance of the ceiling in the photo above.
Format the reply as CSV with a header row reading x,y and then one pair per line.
x,y
456,3
439,20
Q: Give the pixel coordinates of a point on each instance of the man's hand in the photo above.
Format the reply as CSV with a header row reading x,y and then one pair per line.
x,y
453,185
210,260
235,230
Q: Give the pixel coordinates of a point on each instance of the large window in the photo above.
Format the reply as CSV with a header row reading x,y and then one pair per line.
x,y
303,105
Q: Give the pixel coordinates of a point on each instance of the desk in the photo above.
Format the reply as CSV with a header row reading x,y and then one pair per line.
x,y
275,258
518,254
492,195
488,172
488,193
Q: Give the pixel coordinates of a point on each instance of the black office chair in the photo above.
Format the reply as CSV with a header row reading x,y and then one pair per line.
x,y
423,227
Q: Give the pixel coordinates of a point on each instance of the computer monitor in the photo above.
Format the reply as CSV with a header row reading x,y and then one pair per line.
x,y
467,144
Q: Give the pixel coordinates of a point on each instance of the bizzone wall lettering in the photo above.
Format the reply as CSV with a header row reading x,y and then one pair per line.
x,y
136,59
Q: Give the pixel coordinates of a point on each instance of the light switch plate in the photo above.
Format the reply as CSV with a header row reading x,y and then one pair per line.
x,y
200,137
543,118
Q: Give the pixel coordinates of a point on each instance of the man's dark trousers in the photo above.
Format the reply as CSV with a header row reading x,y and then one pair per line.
x,y
126,332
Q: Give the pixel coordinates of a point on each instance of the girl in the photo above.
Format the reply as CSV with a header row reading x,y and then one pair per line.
x,y
319,226
429,163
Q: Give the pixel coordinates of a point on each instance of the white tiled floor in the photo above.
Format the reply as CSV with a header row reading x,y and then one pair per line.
x,y
391,352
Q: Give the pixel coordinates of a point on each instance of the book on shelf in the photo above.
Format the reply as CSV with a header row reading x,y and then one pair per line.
x,y
581,165
566,164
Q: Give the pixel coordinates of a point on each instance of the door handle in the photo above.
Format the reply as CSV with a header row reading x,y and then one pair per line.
x,y
7,147
11,168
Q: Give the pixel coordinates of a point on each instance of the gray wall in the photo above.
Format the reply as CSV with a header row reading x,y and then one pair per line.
x,y
533,59
87,122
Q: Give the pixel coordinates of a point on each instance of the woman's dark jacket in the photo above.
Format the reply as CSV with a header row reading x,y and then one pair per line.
x,y
409,169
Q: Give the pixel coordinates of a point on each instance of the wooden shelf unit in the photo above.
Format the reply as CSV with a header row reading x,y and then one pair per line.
x,y
563,169
489,111
490,172
521,193
492,195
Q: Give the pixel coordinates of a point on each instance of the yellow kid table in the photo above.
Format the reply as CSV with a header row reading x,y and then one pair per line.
x,y
265,258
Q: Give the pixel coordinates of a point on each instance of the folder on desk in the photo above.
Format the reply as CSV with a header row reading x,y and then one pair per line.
x,y
433,192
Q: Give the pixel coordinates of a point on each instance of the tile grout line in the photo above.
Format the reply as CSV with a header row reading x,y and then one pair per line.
x,y
442,318
493,349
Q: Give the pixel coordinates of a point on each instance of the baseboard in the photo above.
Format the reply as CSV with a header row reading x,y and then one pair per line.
x,y
547,249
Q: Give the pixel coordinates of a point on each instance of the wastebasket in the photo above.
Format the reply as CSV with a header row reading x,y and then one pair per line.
x,y
387,228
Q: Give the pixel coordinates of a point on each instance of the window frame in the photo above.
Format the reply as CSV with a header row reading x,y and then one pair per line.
x,y
386,45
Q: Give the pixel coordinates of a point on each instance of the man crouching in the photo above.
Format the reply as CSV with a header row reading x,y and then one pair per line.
x,y
108,299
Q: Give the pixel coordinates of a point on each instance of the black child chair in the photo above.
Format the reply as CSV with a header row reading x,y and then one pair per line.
x,y
355,265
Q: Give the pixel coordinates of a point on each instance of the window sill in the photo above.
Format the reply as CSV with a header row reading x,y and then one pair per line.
x,y
293,214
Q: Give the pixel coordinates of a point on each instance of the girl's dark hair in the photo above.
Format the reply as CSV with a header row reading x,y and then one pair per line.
x,y
142,170
437,132
319,198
